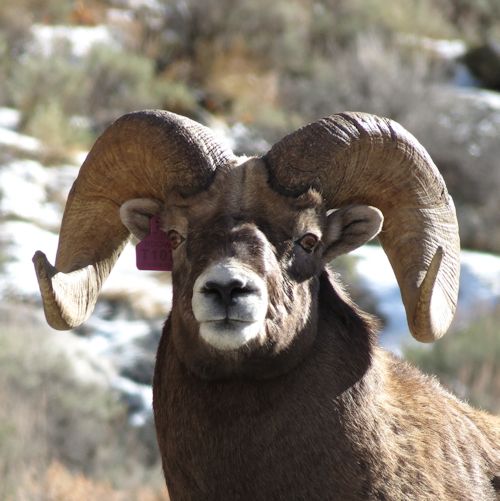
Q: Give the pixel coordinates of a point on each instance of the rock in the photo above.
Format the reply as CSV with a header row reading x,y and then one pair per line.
x,y
484,63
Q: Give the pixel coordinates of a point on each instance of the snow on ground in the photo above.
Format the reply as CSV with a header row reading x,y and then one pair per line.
x,y
9,118
80,38
26,187
479,290
442,48
446,49
13,139
20,240
479,282
377,276
236,137
133,5
139,396
481,97
9,138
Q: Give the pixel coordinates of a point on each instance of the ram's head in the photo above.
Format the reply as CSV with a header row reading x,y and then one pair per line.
x,y
251,236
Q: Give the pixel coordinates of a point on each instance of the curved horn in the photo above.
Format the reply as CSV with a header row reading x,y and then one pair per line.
x,y
142,154
361,158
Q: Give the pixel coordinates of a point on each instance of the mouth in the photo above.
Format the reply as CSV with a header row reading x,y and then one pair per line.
x,y
229,322
229,334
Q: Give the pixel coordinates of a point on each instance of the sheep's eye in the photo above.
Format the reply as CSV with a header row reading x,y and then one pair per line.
x,y
175,238
309,242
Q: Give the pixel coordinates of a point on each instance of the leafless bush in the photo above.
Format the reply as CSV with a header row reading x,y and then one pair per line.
x,y
372,76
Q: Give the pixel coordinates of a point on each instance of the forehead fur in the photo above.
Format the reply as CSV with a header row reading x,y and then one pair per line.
x,y
243,192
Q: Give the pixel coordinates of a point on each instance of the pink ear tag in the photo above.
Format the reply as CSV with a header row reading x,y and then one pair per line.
x,y
154,252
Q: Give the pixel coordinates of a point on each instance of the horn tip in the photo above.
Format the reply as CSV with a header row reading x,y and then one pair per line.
x,y
433,311
38,257
44,270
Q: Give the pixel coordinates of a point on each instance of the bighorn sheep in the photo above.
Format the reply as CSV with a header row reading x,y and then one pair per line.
x,y
268,382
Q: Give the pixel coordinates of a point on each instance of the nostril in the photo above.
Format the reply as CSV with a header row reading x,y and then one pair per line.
x,y
228,292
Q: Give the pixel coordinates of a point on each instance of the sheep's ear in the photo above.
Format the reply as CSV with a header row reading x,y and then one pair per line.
x,y
349,228
136,213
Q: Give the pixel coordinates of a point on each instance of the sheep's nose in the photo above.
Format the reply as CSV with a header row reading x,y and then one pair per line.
x,y
227,293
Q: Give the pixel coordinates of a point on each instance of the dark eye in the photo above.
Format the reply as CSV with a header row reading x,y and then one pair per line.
x,y
309,242
175,238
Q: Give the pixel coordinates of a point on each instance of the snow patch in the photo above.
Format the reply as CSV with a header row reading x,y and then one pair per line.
x,y
446,49
442,48
20,240
134,5
237,136
139,398
480,279
86,365
9,118
12,139
81,38
378,278
29,191
488,98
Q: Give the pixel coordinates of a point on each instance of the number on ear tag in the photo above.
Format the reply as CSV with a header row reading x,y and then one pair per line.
x,y
154,252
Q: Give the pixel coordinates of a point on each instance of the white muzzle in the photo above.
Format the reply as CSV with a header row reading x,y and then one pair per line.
x,y
230,303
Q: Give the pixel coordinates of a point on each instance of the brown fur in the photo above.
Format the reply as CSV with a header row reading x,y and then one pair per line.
x,y
317,412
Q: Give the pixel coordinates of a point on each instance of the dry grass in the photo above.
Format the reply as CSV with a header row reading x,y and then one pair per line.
x,y
58,483
62,438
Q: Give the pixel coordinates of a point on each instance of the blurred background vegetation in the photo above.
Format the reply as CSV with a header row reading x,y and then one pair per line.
x,y
258,69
